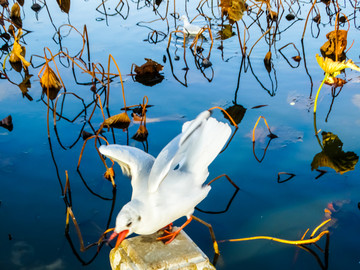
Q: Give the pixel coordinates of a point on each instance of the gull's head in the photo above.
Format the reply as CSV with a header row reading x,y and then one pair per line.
x,y
127,222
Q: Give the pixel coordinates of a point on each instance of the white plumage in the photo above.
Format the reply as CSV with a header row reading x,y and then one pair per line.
x,y
170,186
188,28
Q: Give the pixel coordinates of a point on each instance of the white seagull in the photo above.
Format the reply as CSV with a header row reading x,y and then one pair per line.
x,y
188,28
170,186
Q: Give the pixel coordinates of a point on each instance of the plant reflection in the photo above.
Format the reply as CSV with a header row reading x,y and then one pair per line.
x,y
332,155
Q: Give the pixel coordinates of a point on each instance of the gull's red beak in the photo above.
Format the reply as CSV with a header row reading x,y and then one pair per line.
x,y
121,236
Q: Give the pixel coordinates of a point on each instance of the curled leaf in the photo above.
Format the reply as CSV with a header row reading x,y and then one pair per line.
x,y
18,52
332,155
267,61
25,85
120,120
232,9
15,15
4,3
141,134
237,113
7,123
225,32
336,44
148,73
50,82
64,5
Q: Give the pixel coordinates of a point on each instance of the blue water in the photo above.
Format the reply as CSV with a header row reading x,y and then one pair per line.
x,y
32,166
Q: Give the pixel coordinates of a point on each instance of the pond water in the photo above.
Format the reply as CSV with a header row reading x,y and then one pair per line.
x,y
321,178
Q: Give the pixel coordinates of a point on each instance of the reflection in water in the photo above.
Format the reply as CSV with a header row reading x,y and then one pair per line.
x,y
333,156
247,30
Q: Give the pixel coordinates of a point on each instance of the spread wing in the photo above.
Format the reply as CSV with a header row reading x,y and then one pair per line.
x,y
191,151
134,163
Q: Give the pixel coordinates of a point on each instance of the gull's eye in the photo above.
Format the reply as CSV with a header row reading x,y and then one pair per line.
x,y
129,224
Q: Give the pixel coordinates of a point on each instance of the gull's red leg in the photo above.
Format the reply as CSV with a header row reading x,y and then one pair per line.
x,y
171,236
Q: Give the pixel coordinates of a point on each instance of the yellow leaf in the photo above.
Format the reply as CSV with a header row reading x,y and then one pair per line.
x,y
233,9
18,52
50,81
121,120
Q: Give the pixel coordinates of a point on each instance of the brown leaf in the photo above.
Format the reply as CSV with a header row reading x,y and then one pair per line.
x,y
259,106
149,67
64,5
267,61
25,85
232,9
336,44
141,134
272,15
7,123
333,156
15,15
236,112
4,3
225,32
120,120
297,58
148,73
86,134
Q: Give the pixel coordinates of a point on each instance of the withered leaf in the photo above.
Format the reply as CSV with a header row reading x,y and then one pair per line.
x,y
267,61
25,85
237,113
148,73
317,18
21,2
272,15
225,32
64,5
296,58
120,120
141,134
85,134
259,106
336,44
332,155
50,82
290,17
232,9
15,15
4,3
36,7
149,67
17,55
7,123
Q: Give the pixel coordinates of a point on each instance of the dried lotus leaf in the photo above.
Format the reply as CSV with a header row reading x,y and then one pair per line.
x,y
49,81
64,5
120,120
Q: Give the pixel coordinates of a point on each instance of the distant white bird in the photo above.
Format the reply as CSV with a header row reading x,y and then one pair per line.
x,y
170,186
188,28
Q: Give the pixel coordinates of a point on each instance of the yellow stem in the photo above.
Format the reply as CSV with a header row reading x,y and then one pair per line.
x,y
318,91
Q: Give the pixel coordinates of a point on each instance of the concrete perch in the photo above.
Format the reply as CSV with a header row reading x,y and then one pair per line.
x,y
144,252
